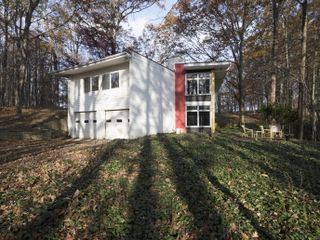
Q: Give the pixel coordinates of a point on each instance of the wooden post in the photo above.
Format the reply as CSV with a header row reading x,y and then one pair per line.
x,y
213,101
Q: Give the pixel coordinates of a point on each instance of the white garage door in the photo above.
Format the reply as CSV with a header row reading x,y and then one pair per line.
x,y
117,124
86,125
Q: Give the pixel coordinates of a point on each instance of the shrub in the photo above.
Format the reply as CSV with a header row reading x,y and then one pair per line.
x,y
282,114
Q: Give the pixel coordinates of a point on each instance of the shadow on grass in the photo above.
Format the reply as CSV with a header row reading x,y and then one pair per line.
x,y
12,153
143,214
208,223
52,217
286,163
205,164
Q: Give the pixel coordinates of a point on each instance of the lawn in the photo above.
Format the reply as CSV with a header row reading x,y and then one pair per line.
x,y
167,186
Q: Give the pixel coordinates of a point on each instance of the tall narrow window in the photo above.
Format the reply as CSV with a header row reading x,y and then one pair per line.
x,y
95,83
106,81
191,87
204,118
115,80
204,86
86,84
192,119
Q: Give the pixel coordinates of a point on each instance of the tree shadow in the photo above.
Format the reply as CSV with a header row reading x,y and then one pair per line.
x,y
205,164
143,213
303,171
47,221
13,152
285,163
208,223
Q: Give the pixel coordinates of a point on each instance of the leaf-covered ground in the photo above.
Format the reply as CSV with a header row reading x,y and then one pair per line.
x,y
163,187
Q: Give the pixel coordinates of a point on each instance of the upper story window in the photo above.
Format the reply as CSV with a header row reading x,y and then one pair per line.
x,y
109,80
95,83
87,84
115,80
106,81
197,83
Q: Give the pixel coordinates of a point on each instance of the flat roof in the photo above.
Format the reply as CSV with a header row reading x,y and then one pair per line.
x,y
206,65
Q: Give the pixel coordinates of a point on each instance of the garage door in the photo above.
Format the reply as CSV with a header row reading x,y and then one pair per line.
x,y
117,124
86,125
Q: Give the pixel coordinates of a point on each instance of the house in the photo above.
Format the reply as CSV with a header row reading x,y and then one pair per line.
x,y
128,95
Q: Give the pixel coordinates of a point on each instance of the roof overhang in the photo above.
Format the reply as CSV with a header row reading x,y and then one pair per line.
x,y
207,66
92,66
220,69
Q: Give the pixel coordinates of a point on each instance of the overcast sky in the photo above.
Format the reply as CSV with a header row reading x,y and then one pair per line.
x,y
153,15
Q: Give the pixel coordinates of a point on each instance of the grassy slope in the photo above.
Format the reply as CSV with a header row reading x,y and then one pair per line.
x,y
163,187
30,118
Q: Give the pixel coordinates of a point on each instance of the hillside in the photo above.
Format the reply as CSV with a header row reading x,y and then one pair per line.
x,y
168,186
33,123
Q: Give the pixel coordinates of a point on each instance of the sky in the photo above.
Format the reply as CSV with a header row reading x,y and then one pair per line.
x,y
153,15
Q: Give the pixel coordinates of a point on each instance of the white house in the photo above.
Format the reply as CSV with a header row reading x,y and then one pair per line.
x,y
127,96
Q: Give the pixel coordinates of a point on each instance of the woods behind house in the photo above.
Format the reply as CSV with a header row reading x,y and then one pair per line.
x,y
273,44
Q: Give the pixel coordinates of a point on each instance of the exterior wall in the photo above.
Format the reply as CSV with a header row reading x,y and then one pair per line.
x,y
98,101
152,98
180,102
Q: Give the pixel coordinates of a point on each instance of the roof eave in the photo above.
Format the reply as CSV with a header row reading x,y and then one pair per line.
x,y
91,66
205,66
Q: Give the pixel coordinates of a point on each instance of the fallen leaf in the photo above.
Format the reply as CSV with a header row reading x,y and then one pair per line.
x,y
255,236
68,237
244,236
76,193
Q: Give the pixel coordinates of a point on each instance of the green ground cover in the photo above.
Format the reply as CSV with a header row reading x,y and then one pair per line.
x,y
164,187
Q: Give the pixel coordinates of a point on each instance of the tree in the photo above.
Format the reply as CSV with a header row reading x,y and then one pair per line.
x,y
99,24
275,19
302,83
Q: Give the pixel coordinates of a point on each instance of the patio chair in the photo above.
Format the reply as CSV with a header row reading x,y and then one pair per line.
x,y
276,131
264,133
247,132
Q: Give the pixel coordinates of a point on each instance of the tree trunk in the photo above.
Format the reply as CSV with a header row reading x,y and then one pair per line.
x,y
288,86
313,97
275,17
303,68
4,75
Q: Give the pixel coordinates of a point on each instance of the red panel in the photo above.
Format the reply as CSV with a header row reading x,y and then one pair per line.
x,y
180,103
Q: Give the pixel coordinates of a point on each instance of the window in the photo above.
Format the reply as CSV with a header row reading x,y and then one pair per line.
x,y
106,81
119,120
110,80
86,84
95,83
204,86
115,80
198,116
191,75
197,83
191,87
204,118
192,119
189,108
204,108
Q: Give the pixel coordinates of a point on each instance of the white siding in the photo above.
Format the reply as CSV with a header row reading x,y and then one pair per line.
x,y
151,97
99,101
